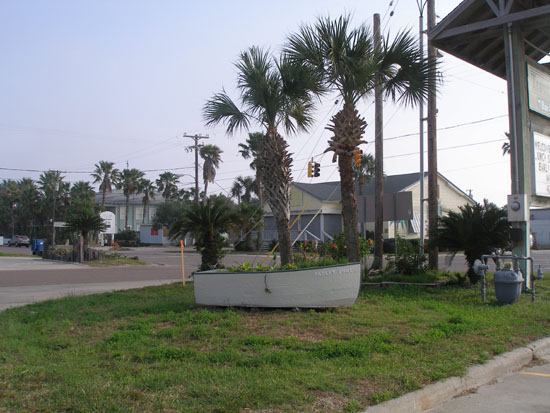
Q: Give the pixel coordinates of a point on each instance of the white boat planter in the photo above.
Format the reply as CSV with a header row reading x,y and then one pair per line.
x,y
331,286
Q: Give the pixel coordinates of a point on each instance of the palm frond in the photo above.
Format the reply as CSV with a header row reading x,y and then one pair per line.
x,y
222,109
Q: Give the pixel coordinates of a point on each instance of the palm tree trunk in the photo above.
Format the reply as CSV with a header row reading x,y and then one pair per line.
x,y
127,212
144,211
276,161
209,254
349,207
260,241
103,200
205,191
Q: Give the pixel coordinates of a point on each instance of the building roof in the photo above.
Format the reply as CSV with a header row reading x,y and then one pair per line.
x,y
474,32
330,191
116,197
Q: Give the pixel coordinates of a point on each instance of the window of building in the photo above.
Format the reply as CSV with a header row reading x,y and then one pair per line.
x,y
139,214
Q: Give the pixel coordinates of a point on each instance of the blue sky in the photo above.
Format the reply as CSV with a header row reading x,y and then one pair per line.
x,y
83,81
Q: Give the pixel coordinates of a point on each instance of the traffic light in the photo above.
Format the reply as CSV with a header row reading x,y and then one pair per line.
x,y
357,155
309,170
316,169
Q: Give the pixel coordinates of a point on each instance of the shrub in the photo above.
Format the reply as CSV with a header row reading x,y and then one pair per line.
x,y
127,238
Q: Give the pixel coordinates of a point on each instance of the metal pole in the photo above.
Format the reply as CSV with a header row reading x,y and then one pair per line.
x,y
196,169
53,208
379,162
421,133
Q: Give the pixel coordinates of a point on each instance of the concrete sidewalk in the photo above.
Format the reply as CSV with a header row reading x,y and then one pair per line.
x,y
439,396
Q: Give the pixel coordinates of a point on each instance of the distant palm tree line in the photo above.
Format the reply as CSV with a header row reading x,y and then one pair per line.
x,y
30,207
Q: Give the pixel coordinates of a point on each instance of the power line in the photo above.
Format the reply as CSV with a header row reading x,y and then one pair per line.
x,y
447,148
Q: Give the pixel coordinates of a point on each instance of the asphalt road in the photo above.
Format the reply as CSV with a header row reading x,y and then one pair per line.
x,y
26,280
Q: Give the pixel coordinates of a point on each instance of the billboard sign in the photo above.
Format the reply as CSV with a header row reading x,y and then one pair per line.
x,y
538,85
541,164
109,221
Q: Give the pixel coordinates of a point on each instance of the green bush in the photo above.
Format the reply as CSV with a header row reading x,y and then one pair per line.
x,y
408,260
127,238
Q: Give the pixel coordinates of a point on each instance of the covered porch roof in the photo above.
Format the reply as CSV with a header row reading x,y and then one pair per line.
x,y
473,31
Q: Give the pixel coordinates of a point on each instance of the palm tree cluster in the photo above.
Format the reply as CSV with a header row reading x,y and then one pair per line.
x,y
279,92
27,206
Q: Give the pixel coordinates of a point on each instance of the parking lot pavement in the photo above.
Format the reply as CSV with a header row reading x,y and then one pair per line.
x,y
523,391
15,250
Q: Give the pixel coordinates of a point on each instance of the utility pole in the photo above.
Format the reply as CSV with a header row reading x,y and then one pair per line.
x,y
421,4
379,161
196,148
433,194
55,186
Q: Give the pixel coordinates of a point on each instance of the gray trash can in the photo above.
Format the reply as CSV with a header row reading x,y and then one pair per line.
x,y
507,285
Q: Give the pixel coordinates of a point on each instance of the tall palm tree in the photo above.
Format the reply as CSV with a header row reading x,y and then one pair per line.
x,y
129,183
54,190
107,176
237,191
248,184
148,189
364,173
249,218
252,149
352,66
28,210
211,154
206,222
9,191
82,191
167,183
274,94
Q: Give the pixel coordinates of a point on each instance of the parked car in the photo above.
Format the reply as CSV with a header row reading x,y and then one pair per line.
x,y
19,241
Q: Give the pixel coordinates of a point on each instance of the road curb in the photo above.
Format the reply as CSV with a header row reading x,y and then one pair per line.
x,y
440,392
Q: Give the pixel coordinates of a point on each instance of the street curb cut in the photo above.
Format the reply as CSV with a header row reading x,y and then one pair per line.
x,y
437,393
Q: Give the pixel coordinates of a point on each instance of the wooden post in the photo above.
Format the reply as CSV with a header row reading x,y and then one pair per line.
x,y
520,140
433,204
379,162
182,266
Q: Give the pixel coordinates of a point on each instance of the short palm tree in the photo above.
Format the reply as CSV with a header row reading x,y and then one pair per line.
x,y
211,154
274,94
351,66
129,183
477,230
107,176
84,220
167,183
149,190
206,223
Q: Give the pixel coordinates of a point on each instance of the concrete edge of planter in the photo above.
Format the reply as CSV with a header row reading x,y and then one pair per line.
x,y
440,392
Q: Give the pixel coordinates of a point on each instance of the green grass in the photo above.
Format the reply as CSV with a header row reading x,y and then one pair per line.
x,y
154,349
114,262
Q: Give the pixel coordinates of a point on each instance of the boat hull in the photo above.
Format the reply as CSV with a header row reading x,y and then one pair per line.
x,y
317,287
